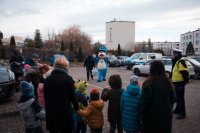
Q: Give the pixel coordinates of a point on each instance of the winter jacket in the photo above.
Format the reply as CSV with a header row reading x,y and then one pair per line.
x,y
59,96
83,103
130,108
16,58
156,106
94,114
114,96
40,94
31,113
89,63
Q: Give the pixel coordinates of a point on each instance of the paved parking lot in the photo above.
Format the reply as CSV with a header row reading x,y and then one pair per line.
x,y
10,121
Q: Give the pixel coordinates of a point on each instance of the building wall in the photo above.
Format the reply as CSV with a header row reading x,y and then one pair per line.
x,y
194,38
166,46
120,32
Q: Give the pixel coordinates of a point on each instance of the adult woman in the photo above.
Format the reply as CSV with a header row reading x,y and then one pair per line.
x,y
156,101
59,97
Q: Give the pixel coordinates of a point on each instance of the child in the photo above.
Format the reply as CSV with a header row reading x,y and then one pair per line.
x,y
26,69
129,106
114,95
29,108
40,94
94,113
45,71
81,97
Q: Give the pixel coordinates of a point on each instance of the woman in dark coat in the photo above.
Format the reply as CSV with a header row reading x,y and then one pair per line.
x,y
17,64
113,95
59,96
156,101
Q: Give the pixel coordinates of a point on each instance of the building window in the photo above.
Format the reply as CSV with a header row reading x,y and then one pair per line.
x,y
183,44
177,45
110,34
197,42
190,36
197,35
196,49
186,37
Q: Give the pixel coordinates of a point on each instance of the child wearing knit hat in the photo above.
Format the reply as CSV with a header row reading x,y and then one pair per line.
x,y
94,112
30,109
130,103
81,97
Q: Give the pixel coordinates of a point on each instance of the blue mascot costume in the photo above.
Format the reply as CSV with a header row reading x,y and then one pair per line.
x,y
102,64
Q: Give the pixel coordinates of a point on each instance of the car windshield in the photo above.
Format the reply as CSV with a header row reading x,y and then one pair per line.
x,y
4,75
112,57
135,56
193,61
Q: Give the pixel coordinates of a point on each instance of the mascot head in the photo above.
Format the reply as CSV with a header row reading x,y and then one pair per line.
x,y
102,51
82,86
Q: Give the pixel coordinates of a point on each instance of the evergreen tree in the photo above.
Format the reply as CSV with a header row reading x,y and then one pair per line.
x,y
190,49
80,54
12,41
71,51
29,43
119,51
38,39
62,48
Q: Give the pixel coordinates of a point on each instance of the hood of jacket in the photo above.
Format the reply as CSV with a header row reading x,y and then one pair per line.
x,y
97,104
133,89
26,104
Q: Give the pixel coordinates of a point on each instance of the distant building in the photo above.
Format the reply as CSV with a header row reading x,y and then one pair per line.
x,y
18,40
166,46
120,32
194,38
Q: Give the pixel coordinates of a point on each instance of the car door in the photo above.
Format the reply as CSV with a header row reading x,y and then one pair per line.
x,y
146,67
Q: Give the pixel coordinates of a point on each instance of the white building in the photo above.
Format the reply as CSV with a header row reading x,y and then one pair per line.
x,y
120,32
166,46
194,38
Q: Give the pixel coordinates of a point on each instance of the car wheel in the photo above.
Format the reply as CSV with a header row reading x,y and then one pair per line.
x,y
197,75
137,71
167,74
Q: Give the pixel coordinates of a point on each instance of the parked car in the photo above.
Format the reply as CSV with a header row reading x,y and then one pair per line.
x,y
196,58
196,66
140,58
145,67
7,83
113,61
122,60
54,57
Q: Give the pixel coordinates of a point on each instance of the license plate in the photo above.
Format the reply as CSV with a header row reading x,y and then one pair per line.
x,y
0,89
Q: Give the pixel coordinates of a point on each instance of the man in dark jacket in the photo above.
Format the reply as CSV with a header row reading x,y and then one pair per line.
x,y
17,64
59,96
89,64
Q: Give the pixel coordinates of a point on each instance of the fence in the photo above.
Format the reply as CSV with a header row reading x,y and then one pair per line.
x,y
44,54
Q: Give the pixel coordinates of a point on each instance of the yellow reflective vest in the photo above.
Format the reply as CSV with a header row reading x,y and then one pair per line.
x,y
176,75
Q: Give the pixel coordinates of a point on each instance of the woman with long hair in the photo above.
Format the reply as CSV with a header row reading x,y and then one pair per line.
x,y
156,101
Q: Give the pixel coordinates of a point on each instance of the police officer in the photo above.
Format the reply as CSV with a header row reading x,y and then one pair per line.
x,y
180,76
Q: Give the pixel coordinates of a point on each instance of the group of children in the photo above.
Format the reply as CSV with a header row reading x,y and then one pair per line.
x,y
122,107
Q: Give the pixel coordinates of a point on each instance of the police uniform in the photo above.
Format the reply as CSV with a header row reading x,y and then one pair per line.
x,y
180,76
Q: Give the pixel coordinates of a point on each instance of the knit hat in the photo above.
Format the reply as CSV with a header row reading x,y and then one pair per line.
x,y
26,89
134,79
94,94
34,55
27,66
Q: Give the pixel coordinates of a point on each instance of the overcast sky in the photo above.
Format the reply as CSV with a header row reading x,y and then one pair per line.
x,y
160,20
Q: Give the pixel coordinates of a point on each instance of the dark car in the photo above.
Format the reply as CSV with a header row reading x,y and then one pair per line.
x,y
54,57
122,60
7,83
196,66
113,61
